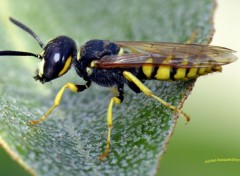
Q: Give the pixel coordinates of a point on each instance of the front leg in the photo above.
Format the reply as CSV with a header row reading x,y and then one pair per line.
x,y
114,100
72,87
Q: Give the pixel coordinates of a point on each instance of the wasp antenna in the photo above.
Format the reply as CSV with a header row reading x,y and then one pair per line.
x,y
28,30
19,53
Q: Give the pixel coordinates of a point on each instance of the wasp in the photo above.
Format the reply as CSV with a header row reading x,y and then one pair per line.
x,y
115,64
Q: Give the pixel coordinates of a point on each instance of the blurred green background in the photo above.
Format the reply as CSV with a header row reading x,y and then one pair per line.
x,y
214,109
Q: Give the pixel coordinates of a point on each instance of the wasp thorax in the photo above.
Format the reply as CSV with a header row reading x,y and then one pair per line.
x,y
56,58
96,49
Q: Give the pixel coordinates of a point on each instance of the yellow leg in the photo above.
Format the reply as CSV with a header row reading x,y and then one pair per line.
x,y
57,101
130,77
114,100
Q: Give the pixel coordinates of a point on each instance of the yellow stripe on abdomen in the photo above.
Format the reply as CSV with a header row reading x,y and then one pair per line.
x,y
180,74
201,71
148,68
192,72
163,73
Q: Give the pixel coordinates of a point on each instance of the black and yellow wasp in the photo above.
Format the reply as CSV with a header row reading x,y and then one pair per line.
x,y
114,64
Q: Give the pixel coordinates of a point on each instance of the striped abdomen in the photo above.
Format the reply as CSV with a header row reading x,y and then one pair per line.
x,y
167,72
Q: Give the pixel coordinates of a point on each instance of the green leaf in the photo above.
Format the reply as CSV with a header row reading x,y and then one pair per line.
x,y
70,141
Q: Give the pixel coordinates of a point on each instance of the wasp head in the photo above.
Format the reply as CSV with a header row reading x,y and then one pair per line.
x,y
56,58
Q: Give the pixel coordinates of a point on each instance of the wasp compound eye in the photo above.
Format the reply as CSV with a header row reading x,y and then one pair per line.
x,y
56,60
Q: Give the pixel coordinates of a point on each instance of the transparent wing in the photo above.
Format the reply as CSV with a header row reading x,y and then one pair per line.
x,y
135,54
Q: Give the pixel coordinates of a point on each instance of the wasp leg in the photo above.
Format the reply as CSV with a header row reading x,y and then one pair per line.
x,y
72,87
114,100
130,77
134,87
